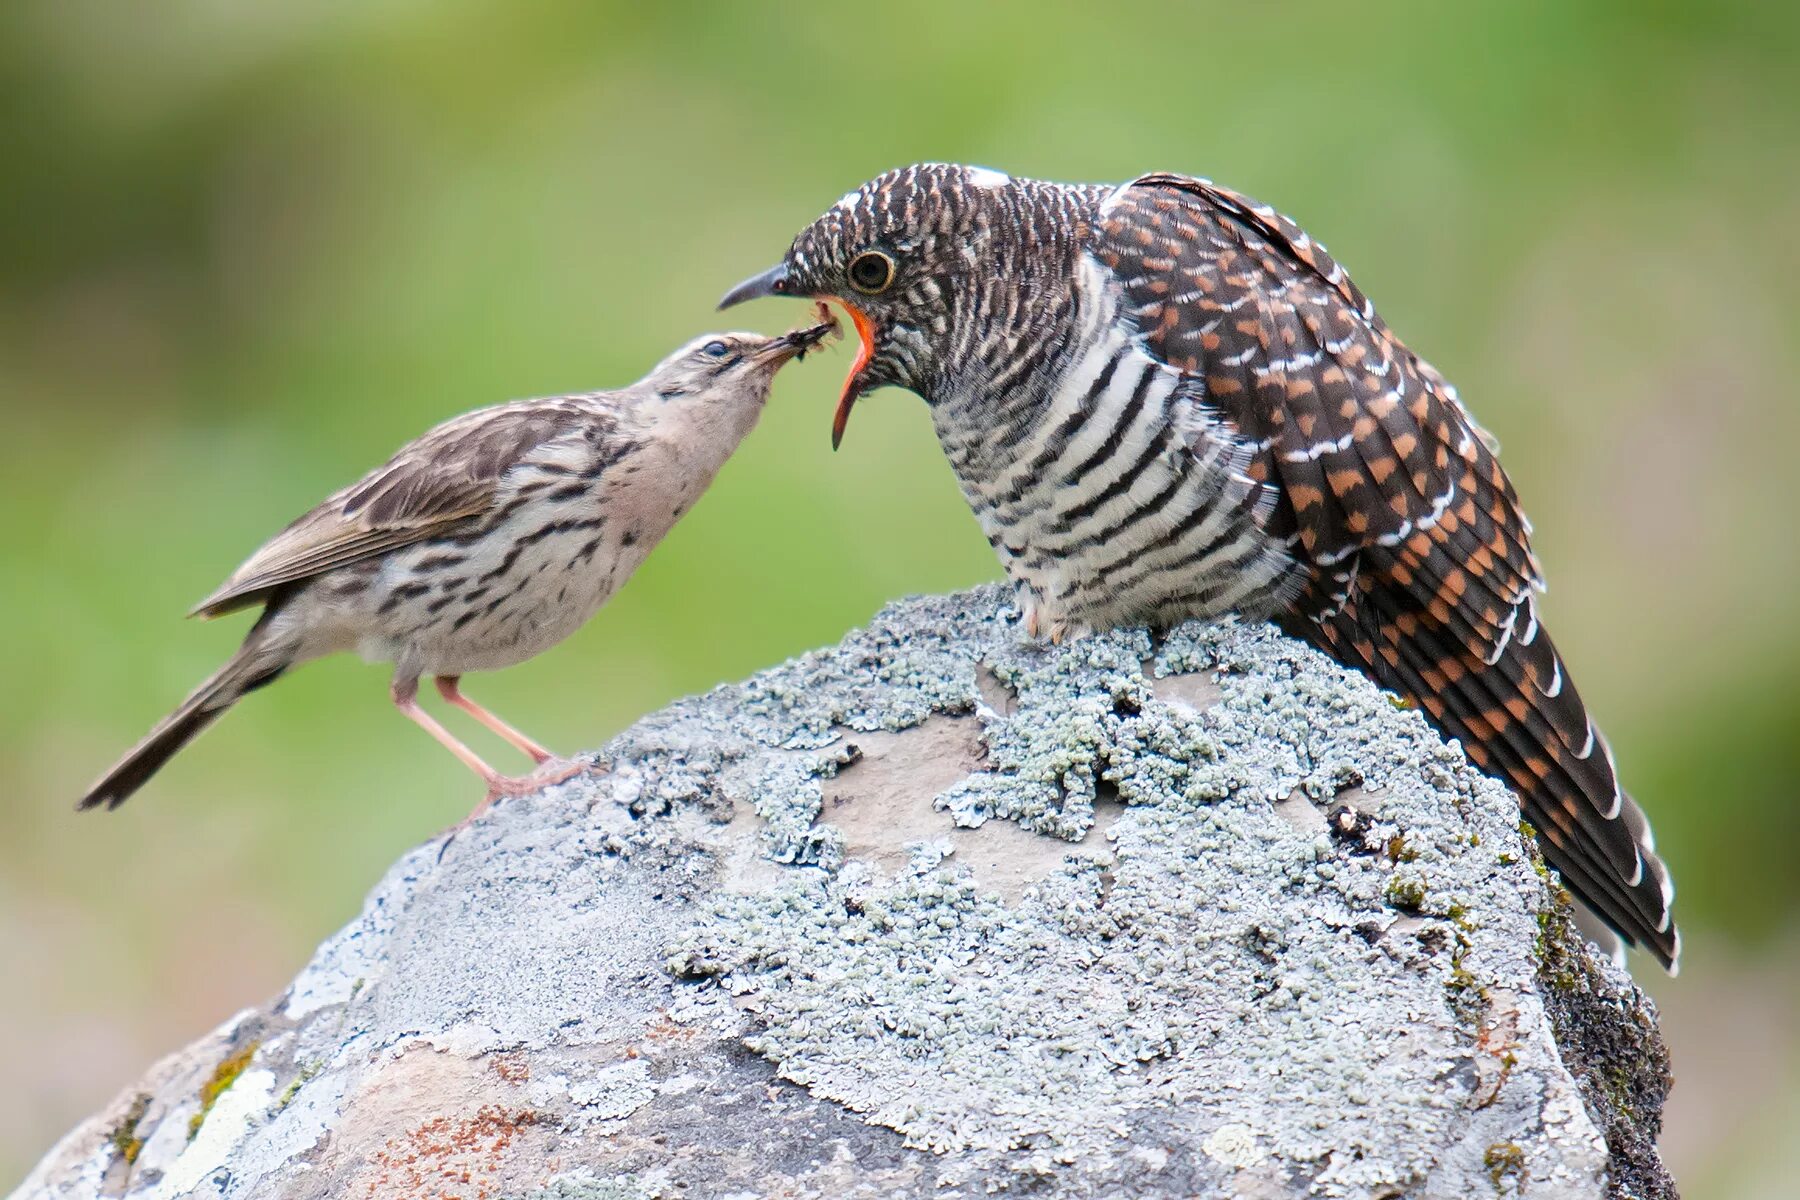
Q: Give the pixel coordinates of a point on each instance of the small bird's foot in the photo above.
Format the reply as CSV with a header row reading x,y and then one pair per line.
x,y
551,773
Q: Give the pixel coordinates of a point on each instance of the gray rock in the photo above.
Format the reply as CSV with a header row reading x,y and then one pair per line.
x,y
941,912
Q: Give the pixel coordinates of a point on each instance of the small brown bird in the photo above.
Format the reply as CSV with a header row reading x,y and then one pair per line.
x,y
483,543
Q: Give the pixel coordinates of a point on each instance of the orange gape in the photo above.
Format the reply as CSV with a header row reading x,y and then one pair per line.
x,y
865,330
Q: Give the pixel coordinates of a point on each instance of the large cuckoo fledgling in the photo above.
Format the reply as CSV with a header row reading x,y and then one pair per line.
x,y
481,544
1164,400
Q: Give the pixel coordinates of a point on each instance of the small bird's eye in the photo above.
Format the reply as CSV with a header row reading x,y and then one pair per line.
x,y
871,272
715,349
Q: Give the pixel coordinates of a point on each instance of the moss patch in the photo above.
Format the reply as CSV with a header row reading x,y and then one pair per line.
x,y
124,1136
307,1071
1613,1049
1406,893
1501,1160
220,1081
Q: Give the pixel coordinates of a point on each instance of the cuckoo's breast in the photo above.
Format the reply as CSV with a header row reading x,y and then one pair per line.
x,y
1122,499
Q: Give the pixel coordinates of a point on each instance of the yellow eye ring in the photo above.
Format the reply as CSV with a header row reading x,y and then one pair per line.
x,y
871,272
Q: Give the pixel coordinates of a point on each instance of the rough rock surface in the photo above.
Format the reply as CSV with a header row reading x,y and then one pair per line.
x,y
942,912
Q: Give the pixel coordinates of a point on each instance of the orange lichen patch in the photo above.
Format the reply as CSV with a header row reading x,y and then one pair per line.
x,y
663,1031
450,1158
511,1067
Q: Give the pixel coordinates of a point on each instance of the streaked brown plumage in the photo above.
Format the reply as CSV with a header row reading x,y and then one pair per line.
x,y
484,542
1164,400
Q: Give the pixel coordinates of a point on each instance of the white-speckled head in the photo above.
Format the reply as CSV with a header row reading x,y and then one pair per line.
x,y
910,250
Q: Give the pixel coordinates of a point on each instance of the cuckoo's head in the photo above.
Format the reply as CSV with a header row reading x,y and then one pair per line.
x,y
931,262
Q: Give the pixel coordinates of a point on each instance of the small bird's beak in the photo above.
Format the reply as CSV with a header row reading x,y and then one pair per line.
x,y
772,282
797,343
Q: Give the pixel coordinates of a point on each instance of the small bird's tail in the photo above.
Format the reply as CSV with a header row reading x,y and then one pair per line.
x,y
250,668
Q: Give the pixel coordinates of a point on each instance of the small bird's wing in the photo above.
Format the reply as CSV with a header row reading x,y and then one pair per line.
x,y
1389,494
449,477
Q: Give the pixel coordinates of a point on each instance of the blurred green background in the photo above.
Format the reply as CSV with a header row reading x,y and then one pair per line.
x,y
249,248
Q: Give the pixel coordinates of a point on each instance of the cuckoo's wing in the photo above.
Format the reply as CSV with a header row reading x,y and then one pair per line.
x,y
445,479
1419,558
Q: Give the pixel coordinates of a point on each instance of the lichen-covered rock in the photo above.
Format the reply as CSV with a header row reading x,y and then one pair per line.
x,y
943,912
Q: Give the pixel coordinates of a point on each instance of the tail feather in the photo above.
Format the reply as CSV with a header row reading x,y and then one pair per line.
x,y
1521,718
1502,723
246,671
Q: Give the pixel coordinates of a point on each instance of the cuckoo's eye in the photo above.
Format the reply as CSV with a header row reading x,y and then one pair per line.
x,y
871,272
715,349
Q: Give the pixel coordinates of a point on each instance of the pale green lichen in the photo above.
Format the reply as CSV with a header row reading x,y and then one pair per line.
x,y
908,997
584,1185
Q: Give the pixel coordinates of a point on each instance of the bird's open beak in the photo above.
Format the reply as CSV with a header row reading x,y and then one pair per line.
x,y
772,282
853,382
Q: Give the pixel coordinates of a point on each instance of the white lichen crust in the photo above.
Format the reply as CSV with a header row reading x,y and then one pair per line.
x,y
944,912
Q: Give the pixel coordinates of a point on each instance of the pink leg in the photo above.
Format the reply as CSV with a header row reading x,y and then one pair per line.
x,y
450,688
406,698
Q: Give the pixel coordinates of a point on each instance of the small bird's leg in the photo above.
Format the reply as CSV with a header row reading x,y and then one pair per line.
x,y
450,688
405,693
406,698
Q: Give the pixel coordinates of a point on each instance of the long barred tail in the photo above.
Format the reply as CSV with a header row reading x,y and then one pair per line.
x,y
1520,718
